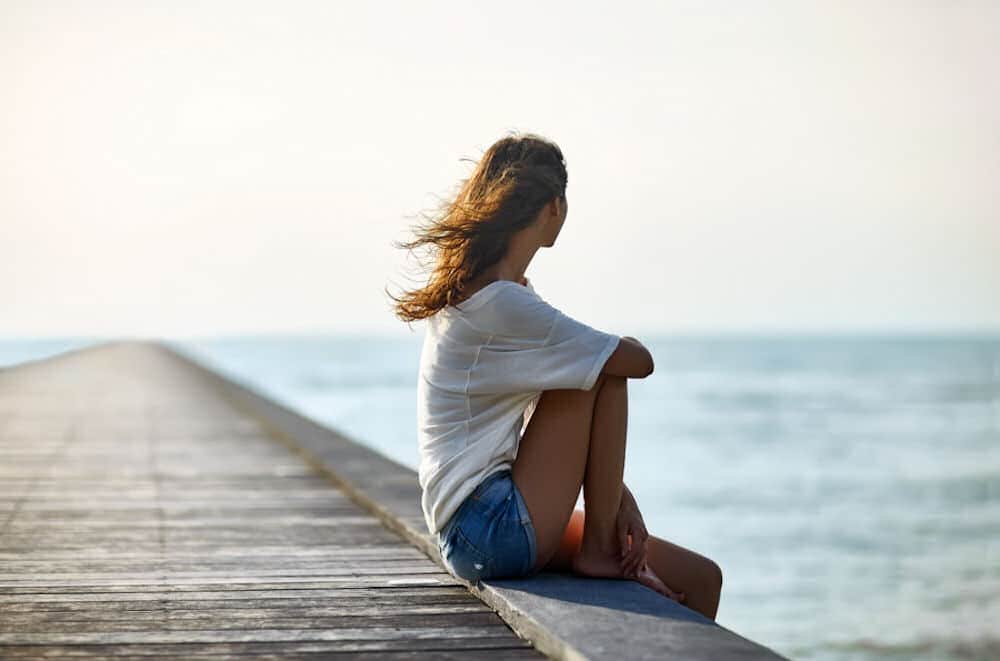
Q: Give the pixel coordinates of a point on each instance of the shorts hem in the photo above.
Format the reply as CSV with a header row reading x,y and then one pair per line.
x,y
529,529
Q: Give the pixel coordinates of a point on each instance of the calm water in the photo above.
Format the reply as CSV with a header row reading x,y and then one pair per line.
x,y
848,487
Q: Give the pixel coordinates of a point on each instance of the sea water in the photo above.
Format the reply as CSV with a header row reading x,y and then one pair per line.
x,y
849,487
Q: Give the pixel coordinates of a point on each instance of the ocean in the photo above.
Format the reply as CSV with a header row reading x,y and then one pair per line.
x,y
848,486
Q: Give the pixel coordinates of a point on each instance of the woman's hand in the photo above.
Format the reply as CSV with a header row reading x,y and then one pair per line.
x,y
632,535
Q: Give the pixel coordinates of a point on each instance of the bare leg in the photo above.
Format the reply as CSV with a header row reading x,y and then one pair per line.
x,y
602,484
552,458
700,578
697,576
574,438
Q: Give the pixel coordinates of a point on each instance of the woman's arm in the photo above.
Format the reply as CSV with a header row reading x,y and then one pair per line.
x,y
630,359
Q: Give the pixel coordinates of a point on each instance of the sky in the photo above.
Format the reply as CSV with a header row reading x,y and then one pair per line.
x,y
188,169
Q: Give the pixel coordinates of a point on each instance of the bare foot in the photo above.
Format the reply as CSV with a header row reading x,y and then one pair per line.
x,y
597,565
607,566
647,577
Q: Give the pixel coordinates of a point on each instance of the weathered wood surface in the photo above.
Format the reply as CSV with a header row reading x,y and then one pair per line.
x,y
143,514
565,616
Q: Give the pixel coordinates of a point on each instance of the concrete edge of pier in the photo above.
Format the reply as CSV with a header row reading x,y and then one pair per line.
x,y
563,616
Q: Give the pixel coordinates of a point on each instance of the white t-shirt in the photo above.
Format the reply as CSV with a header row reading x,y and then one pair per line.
x,y
483,367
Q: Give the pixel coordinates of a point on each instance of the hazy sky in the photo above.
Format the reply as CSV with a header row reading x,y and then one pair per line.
x,y
186,168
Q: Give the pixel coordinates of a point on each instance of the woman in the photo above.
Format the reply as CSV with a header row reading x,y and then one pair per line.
x,y
519,405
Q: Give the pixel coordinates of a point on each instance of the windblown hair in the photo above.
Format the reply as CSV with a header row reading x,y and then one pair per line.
x,y
515,178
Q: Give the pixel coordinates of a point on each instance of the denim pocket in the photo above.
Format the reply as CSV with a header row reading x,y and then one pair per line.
x,y
463,558
510,546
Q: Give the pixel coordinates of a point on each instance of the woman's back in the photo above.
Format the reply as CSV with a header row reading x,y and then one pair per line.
x,y
483,363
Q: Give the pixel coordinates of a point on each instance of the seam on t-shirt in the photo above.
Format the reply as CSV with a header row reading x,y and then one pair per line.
x,y
468,380
548,335
472,325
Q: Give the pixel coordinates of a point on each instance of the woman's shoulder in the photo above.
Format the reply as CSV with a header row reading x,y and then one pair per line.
x,y
517,311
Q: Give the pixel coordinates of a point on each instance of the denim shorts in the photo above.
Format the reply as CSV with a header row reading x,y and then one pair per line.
x,y
490,535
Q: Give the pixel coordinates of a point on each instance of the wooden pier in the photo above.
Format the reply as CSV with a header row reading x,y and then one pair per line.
x,y
142,514
152,507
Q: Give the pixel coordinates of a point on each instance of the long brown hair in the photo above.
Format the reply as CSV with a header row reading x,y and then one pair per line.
x,y
515,178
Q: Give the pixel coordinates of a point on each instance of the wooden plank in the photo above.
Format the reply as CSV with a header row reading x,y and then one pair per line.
x,y
221,554
163,597
250,620
461,648
269,607
269,634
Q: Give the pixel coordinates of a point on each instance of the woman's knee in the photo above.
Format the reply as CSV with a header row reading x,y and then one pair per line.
x,y
710,576
715,575
605,379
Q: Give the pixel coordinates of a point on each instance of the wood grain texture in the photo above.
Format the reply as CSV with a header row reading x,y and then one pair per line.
x,y
142,515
